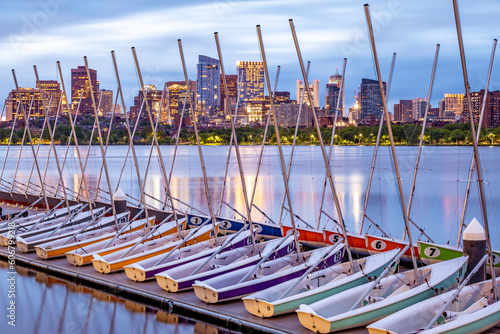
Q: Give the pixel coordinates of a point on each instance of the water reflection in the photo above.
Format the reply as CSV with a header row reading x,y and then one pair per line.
x,y
45,304
437,204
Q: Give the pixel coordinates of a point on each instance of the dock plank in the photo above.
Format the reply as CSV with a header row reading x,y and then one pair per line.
x,y
135,291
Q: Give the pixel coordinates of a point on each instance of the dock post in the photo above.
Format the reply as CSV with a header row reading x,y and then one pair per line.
x,y
120,200
475,246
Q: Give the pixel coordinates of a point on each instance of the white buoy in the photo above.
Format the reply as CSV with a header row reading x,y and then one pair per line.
x,y
475,246
120,200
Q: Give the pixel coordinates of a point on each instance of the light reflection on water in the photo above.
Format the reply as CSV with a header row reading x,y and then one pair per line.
x,y
437,204
46,304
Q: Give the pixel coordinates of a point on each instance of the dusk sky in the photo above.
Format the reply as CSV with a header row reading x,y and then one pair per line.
x,y
42,32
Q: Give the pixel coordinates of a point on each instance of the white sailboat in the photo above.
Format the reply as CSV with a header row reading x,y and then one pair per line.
x,y
182,278
367,303
288,296
103,230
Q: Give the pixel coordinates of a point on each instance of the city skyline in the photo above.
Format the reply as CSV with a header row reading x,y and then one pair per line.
x,y
63,30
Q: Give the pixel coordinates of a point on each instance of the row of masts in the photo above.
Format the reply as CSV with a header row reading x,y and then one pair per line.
x,y
169,201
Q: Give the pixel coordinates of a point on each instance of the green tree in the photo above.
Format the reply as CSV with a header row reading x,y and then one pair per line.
x,y
457,135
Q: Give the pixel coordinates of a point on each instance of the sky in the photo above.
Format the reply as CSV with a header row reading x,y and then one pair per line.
x,y
45,31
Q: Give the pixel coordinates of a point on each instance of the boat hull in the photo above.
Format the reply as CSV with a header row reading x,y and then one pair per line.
x,y
376,245
232,225
267,308
343,318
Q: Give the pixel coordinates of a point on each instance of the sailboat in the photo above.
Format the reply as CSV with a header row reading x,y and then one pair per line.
x,y
470,311
117,260
183,277
431,252
83,255
39,221
27,241
237,284
367,303
288,296
58,248
147,269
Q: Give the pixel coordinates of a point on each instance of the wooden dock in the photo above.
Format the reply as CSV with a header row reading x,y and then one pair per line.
x,y
231,315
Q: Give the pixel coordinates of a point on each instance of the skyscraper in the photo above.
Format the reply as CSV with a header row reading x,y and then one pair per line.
x,y
106,104
418,108
51,93
332,94
27,95
153,98
80,86
208,80
313,87
370,99
174,99
491,118
252,81
454,104
232,91
403,111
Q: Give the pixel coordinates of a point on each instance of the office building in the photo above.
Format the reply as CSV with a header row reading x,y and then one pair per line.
x,y
491,117
251,75
80,86
232,91
106,102
208,86
370,99
454,104
418,108
332,92
313,87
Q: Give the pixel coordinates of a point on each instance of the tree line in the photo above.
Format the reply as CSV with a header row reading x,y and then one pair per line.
x,y
407,134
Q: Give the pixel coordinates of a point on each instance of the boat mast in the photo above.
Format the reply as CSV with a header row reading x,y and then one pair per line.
x,y
151,147
290,160
91,88
331,141
69,144
29,136
131,135
476,149
51,133
228,153
38,148
89,200
377,144
391,138
320,138
11,134
421,142
162,165
235,139
278,141
174,155
261,154
200,153
106,146
483,106
21,148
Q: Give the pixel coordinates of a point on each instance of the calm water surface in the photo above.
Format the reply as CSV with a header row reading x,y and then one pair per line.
x,y
437,207
46,305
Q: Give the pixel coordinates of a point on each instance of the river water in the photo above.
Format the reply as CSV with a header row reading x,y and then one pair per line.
x,y
437,204
45,304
